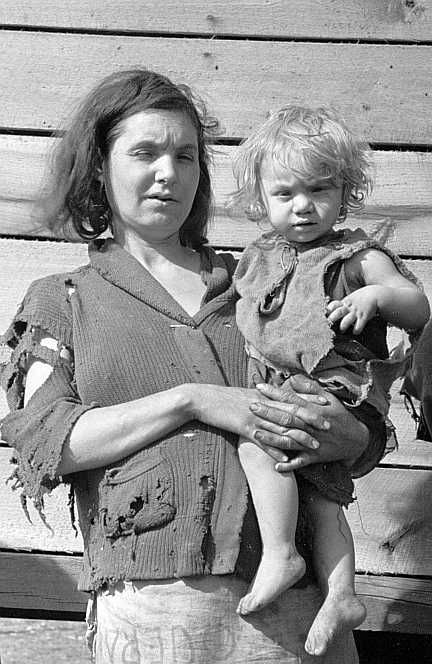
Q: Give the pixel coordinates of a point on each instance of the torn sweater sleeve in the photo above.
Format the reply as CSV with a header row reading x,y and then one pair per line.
x,y
39,430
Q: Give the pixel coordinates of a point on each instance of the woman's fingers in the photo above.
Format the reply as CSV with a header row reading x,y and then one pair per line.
x,y
289,416
297,388
303,385
278,455
292,441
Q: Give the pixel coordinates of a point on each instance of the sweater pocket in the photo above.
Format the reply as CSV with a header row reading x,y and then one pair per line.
x,y
137,496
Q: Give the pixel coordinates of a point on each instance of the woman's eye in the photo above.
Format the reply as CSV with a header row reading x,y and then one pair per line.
x,y
186,156
145,155
284,194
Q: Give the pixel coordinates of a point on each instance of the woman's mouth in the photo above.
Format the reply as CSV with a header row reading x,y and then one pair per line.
x,y
161,198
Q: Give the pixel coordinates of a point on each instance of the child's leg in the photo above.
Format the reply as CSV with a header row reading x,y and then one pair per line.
x,y
275,499
333,553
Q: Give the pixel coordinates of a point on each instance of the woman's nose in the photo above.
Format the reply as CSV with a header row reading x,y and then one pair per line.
x,y
302,203
165,169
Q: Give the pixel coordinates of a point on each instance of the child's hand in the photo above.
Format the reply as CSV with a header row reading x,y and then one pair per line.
x,y
355,309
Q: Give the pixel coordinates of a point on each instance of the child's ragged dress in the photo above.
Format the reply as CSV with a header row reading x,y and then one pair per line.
x,y
284,289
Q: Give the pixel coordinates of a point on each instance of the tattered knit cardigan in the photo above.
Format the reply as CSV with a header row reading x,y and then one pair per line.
x,y
178,507
162,512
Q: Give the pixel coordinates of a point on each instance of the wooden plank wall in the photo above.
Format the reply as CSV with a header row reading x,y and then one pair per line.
x,y
373,63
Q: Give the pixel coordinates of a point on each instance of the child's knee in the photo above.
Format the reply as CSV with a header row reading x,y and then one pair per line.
x,y
248,451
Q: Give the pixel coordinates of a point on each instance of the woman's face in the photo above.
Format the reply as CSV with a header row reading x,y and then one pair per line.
x,y
152,174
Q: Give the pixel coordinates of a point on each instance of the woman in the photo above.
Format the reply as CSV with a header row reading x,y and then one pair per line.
x,y
126,379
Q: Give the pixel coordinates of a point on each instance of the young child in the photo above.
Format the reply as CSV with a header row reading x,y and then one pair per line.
x,y
317,301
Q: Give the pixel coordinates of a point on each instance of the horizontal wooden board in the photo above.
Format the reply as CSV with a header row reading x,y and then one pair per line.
x,y
349,19
372,85
17,532
410,453
58,535
396,604
48,582
401,179
23,261
402,193
28,260
391,522
41,582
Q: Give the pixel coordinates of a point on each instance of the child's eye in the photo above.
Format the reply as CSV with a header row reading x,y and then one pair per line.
x,y
325,186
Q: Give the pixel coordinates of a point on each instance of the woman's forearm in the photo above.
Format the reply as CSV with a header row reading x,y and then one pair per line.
x,y
102,436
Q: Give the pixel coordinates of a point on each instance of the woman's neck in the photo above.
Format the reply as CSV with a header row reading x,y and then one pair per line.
x,y
175,267
153,255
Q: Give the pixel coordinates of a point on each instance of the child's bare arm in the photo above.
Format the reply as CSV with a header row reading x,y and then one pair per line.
x,y
387,292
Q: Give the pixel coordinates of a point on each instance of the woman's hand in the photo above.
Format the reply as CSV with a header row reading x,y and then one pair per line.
x,y
275,427
345,439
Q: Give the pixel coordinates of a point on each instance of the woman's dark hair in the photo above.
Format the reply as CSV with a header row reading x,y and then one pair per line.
x,y
76,196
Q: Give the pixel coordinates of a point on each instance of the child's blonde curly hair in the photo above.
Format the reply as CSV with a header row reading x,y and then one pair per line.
x,y
315,144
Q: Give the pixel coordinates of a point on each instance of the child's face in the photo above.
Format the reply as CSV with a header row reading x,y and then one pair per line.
x,y
300,211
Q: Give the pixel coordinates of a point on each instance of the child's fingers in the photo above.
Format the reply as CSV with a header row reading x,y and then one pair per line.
x,y
337,313
333,304
348,321
359,324
298,461
308,389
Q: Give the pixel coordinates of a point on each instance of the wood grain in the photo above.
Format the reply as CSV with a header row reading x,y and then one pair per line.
x,y
48,582
264,61
17,532
27,260
342,19
402,194
241,80
40,581
396,604
391,522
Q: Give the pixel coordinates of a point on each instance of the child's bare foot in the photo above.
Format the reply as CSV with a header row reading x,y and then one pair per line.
x,y
341,612
278,570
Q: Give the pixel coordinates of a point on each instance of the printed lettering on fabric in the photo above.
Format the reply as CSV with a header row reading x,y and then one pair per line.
x,y
173,645
194,621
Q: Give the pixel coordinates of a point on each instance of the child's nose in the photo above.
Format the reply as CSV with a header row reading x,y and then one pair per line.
x,y
302,203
